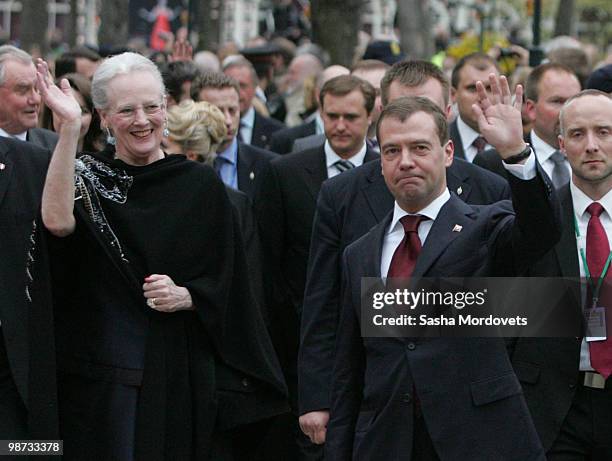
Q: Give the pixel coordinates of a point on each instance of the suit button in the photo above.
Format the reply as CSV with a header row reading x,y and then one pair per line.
x,y
245,382
411,346
572,386
407,398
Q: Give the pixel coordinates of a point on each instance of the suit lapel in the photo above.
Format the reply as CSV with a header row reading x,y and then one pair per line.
x,y
442,234
316,170
458,181
6,171
377,194
565,250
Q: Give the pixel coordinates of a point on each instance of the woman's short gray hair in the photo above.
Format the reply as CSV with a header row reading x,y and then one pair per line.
x,y
120,64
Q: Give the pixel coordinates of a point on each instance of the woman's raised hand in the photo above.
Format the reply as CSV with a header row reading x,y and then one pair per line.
x,y
60,100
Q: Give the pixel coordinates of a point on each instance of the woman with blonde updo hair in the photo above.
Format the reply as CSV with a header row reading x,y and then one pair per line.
x,y
196,130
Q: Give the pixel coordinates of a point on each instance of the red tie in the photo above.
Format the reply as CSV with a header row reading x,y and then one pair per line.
x,y
479,143
406,254
597,251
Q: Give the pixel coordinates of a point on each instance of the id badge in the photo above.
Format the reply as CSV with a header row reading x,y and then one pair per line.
x,y
595,321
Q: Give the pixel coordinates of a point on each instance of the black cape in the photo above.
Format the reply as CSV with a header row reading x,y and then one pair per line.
x,y
210,369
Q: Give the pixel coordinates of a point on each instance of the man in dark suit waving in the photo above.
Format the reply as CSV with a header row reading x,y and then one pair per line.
x,y
285,207
348,207
469,401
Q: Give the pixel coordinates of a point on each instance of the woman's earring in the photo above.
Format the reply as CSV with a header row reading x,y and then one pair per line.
x,y
166,132
110,139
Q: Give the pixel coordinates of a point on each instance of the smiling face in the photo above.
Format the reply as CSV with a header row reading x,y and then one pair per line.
x,y
19,97
587,143
413,160
135,114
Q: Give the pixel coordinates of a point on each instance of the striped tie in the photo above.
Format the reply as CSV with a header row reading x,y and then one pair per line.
x,y
343,165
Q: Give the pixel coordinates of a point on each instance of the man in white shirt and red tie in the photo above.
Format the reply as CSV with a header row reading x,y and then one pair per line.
x,y
470,405
566,381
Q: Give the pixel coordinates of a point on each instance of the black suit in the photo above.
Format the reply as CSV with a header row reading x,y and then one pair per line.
x,y
263,128
46,139
491,160
282,140
548,368
469,395
349,206
285,208
252,162
28,404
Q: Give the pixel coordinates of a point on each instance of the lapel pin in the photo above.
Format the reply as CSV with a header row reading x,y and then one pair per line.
x,y
459,190
457,228
251,176
2,166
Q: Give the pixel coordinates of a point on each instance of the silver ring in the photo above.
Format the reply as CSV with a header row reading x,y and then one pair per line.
x,y
151,302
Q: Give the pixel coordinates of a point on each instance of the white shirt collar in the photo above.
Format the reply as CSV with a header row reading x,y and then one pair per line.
x,y
431,211
22,136
467,134
581,201
542,149
249,118
331,157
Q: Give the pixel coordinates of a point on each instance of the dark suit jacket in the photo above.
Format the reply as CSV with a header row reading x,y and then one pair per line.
x,y
469,395
491,160
263,129
285,207
43,138
548,368
282,140
27,327
349,206
252,162
453,133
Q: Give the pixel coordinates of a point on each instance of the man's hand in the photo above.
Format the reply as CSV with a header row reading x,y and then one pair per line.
x,y
314,425
499,118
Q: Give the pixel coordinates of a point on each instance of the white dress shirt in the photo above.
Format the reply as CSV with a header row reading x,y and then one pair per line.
x,y
580,202
21,136
331,157
543,152
395,233
246,126
468,135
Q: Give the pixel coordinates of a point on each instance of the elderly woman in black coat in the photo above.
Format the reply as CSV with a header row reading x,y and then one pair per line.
x,y
160,347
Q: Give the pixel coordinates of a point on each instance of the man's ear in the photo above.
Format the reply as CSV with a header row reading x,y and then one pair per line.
x,y
449,152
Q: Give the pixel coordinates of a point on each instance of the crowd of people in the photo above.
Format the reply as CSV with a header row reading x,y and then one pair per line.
x,y
184,238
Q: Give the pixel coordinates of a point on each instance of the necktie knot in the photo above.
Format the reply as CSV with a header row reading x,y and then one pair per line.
x,y
343,165
595,209
411,222
558,157
479,143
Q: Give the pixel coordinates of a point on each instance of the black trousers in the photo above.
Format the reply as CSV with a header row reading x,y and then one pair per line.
x,y
586,433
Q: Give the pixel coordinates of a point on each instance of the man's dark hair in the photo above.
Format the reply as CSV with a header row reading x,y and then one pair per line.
x,y
413,73
480,61
175,74
403,108
213,80
345,84
532,84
